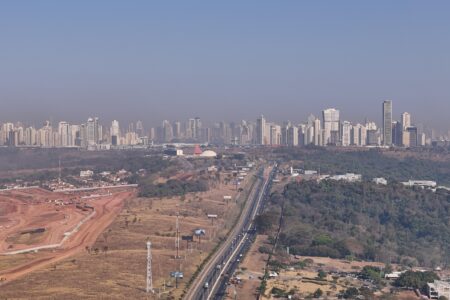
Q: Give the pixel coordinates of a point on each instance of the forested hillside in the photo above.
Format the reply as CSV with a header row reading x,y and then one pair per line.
x,y
370,163
364,220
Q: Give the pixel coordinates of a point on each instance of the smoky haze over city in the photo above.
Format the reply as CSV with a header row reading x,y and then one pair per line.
x,y
223,61
219,150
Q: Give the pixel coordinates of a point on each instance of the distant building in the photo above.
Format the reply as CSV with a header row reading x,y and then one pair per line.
x,y
420,183
380,180
261,131
438,289
346,133
173,152
317,133
387,123
372,137
86,173
115,133
331,121
349,177
412,136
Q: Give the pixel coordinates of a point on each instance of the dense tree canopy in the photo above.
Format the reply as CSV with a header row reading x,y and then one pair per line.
x,y
172,187
370,163
368,221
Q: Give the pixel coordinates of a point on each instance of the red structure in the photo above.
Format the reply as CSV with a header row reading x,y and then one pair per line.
x,y
197,150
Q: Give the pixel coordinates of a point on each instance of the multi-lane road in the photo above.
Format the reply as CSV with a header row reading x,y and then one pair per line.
x,y
212,280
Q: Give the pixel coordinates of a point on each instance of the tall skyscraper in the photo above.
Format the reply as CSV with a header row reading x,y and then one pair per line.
x,y
413,136
292,136
330,125
115,133
177,130
91,132
387,123
167,131
317,133
406,120
139,129
197,128
346,133
261,131
64,134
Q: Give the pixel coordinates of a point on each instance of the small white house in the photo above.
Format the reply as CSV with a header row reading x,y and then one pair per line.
x,y
86,173
380,180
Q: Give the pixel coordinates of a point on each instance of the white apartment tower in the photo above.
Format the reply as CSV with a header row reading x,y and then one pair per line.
x,y
330,124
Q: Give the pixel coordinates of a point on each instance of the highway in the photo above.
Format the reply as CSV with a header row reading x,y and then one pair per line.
x,y
212,280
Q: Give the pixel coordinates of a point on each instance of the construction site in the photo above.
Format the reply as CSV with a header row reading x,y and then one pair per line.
x,y
94,244
40,227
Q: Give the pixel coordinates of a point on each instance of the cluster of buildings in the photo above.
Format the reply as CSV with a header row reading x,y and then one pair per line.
x,y
329,129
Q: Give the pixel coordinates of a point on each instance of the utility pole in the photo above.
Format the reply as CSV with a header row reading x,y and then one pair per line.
x,y
177,237
149,268
59,171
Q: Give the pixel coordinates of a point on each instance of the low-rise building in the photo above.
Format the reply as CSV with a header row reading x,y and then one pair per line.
x,y
438,289
86,173
420,183
380,180
393,275
349,177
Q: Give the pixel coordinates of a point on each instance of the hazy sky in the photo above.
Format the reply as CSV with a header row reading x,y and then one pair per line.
x,y
224,60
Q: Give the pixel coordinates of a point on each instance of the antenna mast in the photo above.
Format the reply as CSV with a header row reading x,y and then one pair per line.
x,y
149,268
177,237
59,170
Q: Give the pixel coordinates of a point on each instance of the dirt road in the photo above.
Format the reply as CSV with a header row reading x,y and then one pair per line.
x,y
106,210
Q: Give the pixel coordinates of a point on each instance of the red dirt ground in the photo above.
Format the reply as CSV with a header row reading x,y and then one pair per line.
x,y
33,208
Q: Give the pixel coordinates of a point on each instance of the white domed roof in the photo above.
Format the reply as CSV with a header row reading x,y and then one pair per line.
x,y
208,153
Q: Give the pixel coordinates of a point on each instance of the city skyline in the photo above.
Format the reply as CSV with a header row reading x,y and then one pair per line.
x,y
328,129
223,61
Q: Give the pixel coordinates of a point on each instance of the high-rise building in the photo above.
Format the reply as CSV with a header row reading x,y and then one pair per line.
x,y
413,136
331,123
152,134
167,131
275,134
397,133
94,132
317,133
363,136
387,123
30,136
302,134
115,133
74,134
177,130
292,136
356,135
139,129
64,134
6,129
261,131
197,128
346,133
406,120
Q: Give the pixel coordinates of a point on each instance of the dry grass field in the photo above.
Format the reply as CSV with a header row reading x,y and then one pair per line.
x,y
114,267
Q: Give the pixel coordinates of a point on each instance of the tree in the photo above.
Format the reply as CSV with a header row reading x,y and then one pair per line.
x,y
351,293
318,293
388,268
415,280
321,274
371,273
